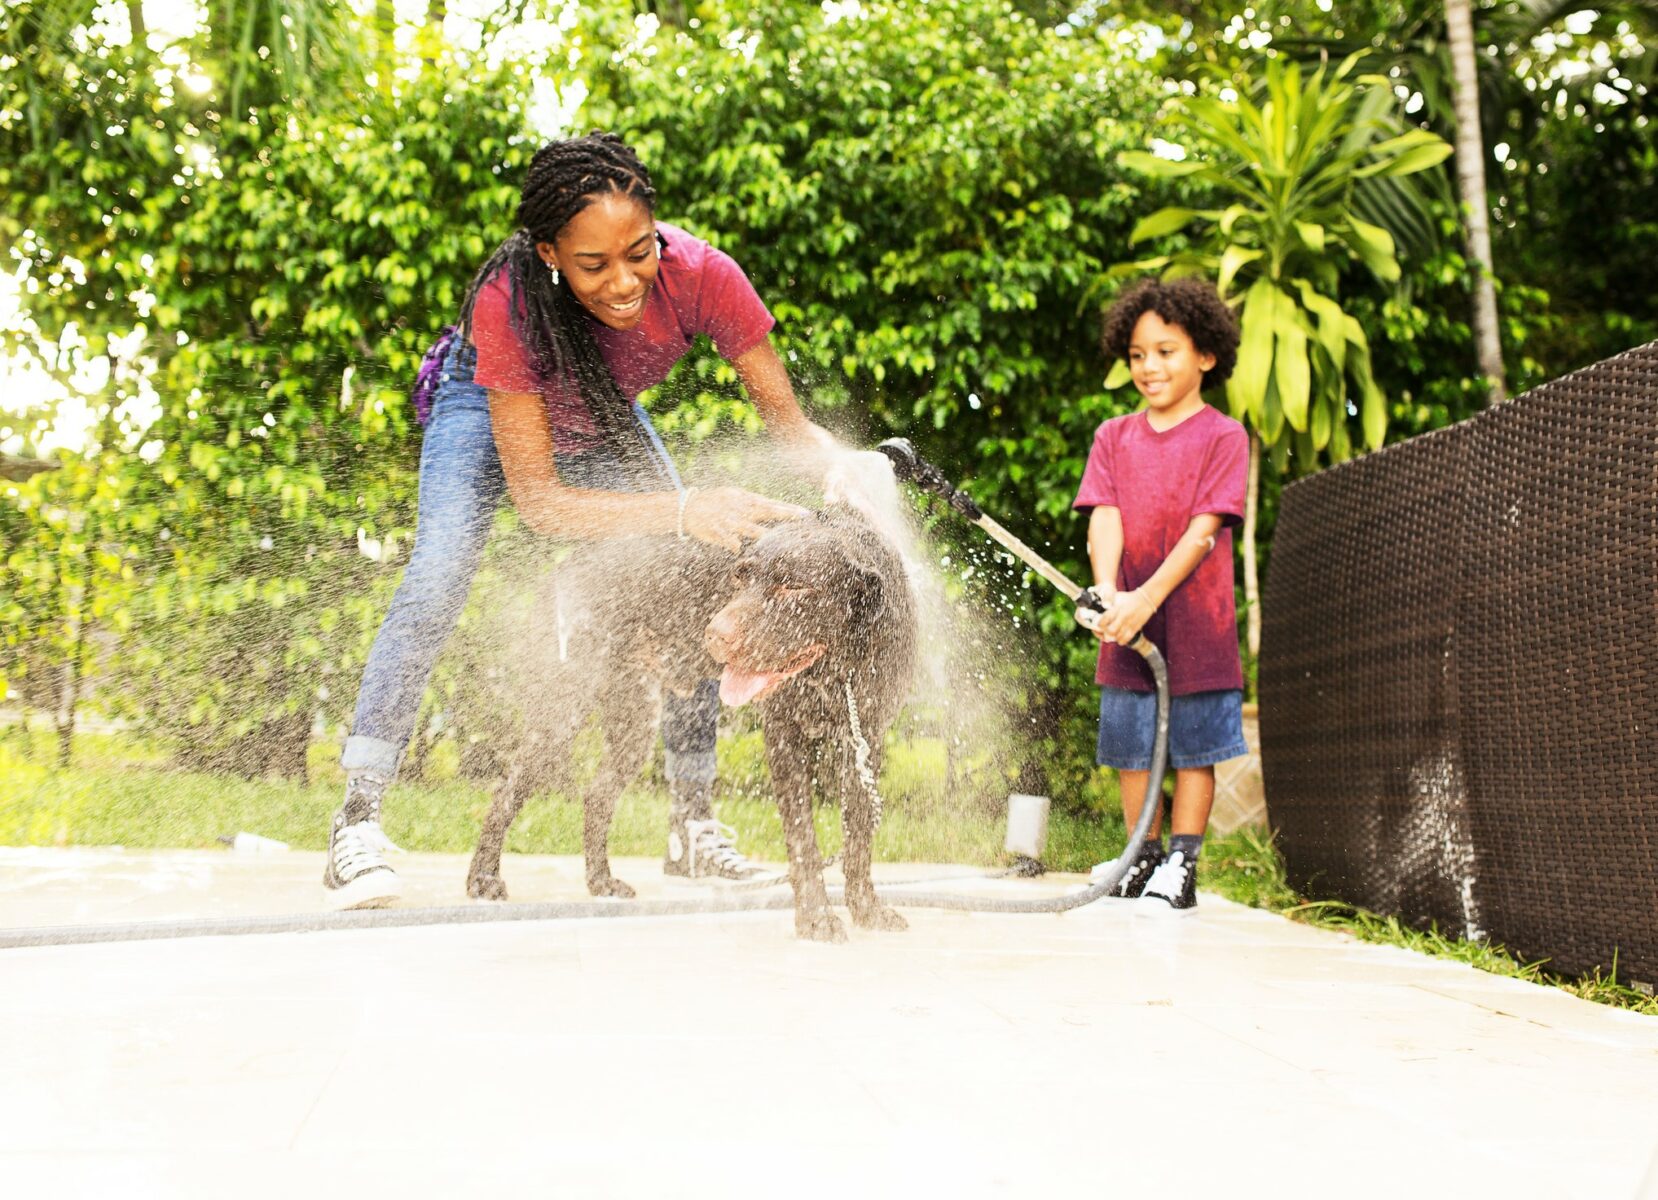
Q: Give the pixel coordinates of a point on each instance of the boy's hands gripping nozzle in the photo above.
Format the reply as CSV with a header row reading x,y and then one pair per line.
x,y
1091,607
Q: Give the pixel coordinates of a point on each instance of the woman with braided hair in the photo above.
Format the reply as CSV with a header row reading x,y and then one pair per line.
x,y
588,303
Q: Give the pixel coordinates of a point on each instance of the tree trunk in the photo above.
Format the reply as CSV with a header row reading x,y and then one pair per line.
x,y
18,469
431,32
275,749
669,12
1470,159
70,701
1252,582
69,683
25,746
287,739
385,49
425,740
480,760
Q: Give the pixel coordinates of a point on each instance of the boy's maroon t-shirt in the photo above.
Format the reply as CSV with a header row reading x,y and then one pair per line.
x,y
1159,482
698,290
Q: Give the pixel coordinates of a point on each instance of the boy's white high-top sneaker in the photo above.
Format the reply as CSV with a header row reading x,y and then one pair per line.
x,y
1172,887
1133,883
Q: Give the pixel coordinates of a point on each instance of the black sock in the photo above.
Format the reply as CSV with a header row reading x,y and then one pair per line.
x,y
1153,846
1189,844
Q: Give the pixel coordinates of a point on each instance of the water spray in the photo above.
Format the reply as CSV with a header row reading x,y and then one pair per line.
x,y
911,468
908,467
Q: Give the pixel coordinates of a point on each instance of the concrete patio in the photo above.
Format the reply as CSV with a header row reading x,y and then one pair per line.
x,y
1100,1052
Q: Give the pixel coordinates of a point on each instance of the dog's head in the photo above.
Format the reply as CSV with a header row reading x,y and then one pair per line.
x,y
806,593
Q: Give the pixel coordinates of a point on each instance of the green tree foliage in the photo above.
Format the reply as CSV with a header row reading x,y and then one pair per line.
x,y
1291,161
282,275
1290,164
1565,97
923,234
69,560
924,194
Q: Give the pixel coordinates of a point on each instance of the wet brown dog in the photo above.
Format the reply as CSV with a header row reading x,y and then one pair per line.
x,y
821,632
815,623
614,626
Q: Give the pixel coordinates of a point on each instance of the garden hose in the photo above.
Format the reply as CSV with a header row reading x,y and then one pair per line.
x,y
907,466
477,914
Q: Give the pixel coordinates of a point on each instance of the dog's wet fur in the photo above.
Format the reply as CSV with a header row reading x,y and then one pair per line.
x,y
808,608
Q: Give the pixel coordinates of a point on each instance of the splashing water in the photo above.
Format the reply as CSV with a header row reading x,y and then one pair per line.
x,y
948,751
957,645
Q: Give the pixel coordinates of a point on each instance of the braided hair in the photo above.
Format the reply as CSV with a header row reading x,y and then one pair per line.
x,y
564,178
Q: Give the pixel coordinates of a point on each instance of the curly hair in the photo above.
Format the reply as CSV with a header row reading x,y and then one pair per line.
x,y
1192,304
566,176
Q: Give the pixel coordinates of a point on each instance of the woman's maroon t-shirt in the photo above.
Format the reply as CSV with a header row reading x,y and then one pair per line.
x,y
1159,481
697,290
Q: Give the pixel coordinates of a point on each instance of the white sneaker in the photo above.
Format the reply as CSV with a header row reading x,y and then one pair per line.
x,y
1138,875
356,874
376,838
1172,888
698,848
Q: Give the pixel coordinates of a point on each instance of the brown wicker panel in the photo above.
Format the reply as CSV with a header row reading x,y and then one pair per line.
x,y
1358,720
1460,668
1558,664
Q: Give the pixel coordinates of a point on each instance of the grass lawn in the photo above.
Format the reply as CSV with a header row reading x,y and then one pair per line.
x,y
121,792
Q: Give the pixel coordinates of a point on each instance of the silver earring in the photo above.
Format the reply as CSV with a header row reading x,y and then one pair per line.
x,y
553,267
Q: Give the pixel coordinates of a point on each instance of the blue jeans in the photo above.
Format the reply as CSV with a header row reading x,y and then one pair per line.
x,y
460,487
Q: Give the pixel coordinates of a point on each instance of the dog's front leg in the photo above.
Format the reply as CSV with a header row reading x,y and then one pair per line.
x,y
628,713
858,814
788,755
483,880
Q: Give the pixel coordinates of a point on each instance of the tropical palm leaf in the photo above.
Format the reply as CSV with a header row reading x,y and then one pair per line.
x,y
1324,170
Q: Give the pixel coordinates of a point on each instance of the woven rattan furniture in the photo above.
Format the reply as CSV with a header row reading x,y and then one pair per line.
x,y
1459,675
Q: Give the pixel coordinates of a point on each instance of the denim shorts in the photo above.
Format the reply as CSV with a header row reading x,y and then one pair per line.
x,y
1204,728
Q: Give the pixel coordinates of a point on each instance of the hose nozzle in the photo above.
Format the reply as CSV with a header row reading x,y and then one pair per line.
x,y
910,467
903,456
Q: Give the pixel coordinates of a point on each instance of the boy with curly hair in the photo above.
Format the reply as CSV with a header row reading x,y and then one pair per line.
x,y
1164,486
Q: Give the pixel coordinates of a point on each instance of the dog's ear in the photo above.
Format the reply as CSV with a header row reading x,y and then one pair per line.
x,y
866,594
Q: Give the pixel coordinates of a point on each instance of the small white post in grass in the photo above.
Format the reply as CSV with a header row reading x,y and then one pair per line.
x,y
1027,826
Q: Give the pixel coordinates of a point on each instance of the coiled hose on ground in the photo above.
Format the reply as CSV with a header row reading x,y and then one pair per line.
x,y
907,466
476,914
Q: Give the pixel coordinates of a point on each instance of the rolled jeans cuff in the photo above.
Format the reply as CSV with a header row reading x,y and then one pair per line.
x,y
695,767
371,754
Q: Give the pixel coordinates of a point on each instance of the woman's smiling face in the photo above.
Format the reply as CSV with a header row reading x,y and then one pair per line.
x,y
607,254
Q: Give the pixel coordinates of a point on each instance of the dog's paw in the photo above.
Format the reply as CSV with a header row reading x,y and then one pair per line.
x,y
879,916
611,887
486,887
819,925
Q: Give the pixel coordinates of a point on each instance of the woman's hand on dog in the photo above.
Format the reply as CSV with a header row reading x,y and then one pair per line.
x,y
728,516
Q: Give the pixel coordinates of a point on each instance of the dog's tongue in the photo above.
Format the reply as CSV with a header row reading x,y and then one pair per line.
x,y
738,687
